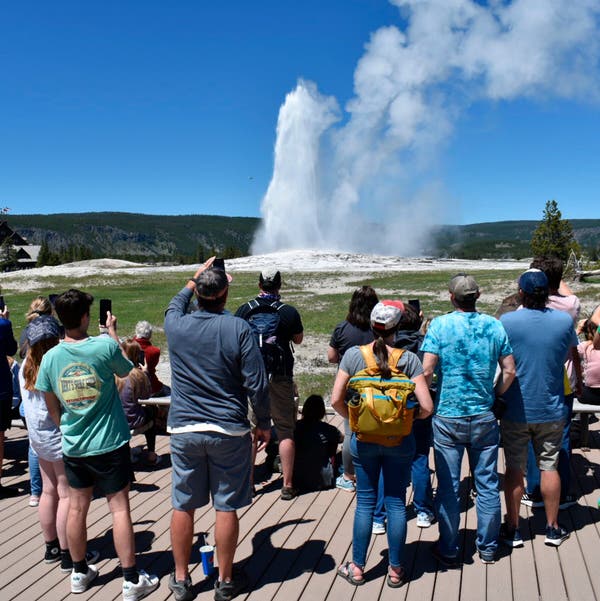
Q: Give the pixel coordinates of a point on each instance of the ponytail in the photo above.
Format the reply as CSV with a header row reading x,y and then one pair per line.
x,y
381,357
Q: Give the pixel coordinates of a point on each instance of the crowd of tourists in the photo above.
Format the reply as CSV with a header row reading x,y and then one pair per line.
x,y
461,382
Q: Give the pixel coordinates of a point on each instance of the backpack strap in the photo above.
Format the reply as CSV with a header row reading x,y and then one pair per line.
x,y
258,307
369,358
253,304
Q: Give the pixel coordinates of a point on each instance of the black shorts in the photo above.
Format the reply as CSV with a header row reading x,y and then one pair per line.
x,y
5,411
109,472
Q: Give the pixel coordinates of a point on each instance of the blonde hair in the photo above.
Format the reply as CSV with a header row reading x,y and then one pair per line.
x,y
40,305
140,383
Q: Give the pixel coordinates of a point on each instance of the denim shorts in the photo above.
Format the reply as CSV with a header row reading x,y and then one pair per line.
x,y
546,439
210,464
109,472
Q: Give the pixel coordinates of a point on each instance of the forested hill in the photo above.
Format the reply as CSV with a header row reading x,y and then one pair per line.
x,y
505,239
143,237
137,236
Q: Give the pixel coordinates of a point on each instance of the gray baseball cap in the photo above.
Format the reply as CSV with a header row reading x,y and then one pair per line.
x,y
463,287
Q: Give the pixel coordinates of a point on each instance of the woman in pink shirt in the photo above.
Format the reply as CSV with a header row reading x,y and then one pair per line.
x,y
590,362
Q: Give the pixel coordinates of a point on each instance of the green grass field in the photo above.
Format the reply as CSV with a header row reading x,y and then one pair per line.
x,y
321,298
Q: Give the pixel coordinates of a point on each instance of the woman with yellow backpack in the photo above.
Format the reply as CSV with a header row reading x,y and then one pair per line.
x,y
389,389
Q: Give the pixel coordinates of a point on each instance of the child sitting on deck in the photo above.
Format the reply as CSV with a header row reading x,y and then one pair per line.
x,y
316,447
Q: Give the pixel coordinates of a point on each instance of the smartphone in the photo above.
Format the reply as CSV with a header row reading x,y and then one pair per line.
x,y
2,305
219,264
105,306
141,357
52,298
415,303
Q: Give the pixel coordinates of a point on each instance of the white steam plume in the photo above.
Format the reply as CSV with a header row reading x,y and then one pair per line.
x,y
410,87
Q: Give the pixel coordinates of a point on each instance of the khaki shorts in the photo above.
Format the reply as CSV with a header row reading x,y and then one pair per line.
x,y
545,437
282,404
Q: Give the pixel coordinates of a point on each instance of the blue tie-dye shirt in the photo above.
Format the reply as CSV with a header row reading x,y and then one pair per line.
x,y
468,347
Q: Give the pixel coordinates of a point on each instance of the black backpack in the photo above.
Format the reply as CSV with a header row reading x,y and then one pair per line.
x,y
264,321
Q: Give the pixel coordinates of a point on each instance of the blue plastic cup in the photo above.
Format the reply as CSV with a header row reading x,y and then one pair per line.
x,y
207,554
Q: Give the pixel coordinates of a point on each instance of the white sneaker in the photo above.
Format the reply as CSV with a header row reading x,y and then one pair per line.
x,y
81,582
378,528
145,585
425,519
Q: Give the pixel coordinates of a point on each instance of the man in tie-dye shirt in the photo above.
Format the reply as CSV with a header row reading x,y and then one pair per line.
x,y
464,349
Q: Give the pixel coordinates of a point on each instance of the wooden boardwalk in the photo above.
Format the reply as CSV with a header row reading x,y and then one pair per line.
x,y
290,550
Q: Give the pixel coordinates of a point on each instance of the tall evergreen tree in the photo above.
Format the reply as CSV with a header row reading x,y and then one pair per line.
x,y
554,235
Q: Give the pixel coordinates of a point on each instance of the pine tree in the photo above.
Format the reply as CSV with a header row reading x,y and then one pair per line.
x,y
554,235
44,254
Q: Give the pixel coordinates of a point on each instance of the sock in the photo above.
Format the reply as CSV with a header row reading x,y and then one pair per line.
x,y
131,574
52,544
81,567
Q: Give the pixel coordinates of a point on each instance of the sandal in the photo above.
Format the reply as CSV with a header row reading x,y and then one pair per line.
x,y
346,571
395,577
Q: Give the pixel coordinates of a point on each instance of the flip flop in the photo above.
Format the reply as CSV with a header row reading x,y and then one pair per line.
x,y
395,580
346,572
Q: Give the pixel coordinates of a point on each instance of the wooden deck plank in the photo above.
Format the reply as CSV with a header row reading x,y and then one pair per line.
x,y
291,550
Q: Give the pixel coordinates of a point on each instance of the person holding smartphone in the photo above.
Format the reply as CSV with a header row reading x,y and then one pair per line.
x,y
77,377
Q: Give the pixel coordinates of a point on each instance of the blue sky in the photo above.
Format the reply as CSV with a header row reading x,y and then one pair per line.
x,y
171,108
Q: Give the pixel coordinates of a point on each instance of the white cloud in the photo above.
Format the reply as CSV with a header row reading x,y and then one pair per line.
x,y
410,87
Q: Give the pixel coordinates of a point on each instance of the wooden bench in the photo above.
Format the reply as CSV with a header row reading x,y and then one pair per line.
x,y
584,411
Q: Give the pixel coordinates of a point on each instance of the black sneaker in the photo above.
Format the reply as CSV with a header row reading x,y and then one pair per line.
x,y
487,558
555,536
532,500
225,591
567,501
288,493
66,563
511,537
52,555
445,560
181,589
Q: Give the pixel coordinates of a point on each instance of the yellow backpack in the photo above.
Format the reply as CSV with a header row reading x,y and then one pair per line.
x,y
381,411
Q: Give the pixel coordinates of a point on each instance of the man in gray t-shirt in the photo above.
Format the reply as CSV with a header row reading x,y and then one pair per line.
x,y
216,368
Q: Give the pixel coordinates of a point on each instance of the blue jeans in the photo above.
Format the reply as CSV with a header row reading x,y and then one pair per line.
x,y
479,436
35,476
370,462
421,479
564,458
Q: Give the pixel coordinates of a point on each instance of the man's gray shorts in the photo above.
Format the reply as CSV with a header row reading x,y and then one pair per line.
x,y
210,462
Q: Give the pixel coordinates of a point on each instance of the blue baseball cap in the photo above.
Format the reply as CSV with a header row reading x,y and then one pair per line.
x,y
533,281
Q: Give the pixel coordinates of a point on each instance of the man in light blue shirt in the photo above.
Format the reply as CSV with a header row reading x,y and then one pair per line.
x,y
541,339
464,348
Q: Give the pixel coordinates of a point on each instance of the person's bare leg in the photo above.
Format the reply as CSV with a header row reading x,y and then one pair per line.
x,y
62,510
182,534
118,504
226,537
48,507
79,503
287,451
513,491
550,487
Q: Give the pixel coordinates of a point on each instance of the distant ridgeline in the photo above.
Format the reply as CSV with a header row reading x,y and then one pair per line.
x,y
136,237
191,238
